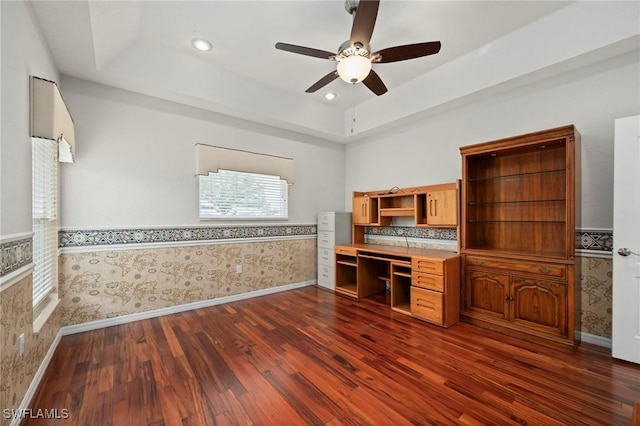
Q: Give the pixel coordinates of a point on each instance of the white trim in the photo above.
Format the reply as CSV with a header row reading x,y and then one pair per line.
x,y
16,276
15,237
45,309
193,226
595,340
164,244
594,253
35,382
108,322
602,230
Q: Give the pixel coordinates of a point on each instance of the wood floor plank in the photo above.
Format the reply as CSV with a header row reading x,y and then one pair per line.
x,y
307,356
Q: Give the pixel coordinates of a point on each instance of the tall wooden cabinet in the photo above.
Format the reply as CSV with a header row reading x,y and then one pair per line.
x,y
520,199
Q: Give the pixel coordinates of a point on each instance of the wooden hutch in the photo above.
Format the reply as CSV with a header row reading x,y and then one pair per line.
x,y
520,199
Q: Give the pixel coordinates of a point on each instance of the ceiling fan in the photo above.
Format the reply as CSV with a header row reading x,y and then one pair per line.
x,y
354,56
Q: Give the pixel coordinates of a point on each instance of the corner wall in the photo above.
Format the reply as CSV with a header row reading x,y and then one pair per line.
x,y
24,53
592,97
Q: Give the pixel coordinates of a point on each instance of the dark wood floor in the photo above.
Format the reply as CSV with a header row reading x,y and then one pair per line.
x,y
309,357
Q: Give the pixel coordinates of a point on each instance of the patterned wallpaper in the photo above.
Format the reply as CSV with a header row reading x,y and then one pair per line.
x,y
107,284
413,232
16,317
596,296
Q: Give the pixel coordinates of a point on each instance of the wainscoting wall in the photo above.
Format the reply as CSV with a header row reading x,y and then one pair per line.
x,y
107,274
17,371
108,284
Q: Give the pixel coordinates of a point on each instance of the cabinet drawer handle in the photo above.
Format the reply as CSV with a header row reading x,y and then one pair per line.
x,y
479,262
422,305
544,270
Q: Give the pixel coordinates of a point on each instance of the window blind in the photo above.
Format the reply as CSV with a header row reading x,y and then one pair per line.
x,y
45,217
240,195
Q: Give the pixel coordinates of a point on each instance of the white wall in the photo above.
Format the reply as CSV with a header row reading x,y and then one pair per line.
x,y
427,152
24,53
135,161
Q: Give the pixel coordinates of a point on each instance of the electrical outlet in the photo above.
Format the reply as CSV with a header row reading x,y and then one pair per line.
x,y
239,269
21,344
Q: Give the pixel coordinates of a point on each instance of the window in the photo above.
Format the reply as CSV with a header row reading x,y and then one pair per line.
x,y
45,217
240,195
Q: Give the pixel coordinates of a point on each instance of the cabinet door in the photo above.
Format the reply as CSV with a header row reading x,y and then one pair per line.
x,y
442,208
486,293
362,213
539,304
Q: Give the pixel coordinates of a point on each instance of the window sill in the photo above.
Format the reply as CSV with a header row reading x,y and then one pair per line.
x,y
44,310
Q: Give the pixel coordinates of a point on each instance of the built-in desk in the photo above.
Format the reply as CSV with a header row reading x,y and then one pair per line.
x,y
422,283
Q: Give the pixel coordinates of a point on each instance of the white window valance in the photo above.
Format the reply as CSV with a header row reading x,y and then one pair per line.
x,y
50,118
210,159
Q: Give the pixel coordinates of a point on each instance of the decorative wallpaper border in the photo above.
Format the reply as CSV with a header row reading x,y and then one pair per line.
x,y
15,254
18,253
594,240
113,237
413,232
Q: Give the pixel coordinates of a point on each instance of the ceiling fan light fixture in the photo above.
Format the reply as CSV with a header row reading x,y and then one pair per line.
x,y
354,69
201,44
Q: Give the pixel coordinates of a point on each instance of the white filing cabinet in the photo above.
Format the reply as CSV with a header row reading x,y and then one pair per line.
x,y
333,228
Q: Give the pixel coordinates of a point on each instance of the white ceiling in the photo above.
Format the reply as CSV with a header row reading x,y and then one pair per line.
x,y
144,46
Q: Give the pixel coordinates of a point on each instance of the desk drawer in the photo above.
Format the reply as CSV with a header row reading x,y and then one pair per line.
x,y
428,266
346,250
426,304
428,281
545,269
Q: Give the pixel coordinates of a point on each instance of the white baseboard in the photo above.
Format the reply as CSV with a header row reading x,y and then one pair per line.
x,y
35,382
596,340
108,322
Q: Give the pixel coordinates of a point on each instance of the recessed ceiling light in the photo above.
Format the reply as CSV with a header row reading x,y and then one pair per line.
x,y
201,44
330,96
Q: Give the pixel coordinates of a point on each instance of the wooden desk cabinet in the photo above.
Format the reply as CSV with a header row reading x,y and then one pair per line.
x,y
365,210
422,283
428,206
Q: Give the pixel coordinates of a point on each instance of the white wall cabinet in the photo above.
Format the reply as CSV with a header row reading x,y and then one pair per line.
x,y
333,228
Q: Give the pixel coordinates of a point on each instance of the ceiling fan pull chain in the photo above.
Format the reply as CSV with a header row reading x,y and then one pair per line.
x,y
353,109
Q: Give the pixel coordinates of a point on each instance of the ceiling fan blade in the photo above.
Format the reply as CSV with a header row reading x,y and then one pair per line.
x,y
323,82
409,51
308,51
375,84
364,21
